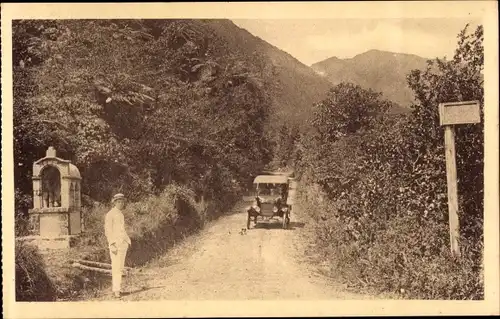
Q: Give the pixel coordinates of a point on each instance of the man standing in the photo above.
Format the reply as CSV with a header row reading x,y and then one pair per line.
x,y
118,240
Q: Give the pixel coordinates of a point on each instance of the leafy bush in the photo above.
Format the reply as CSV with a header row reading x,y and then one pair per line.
x,y
32,282
154,224
404,255
139,104
22,203
284,140
386,217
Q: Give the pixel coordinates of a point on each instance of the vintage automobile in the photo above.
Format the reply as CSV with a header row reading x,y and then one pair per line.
x,y
270,200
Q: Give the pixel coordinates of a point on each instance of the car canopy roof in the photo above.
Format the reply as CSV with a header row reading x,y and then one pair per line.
x,y
270,179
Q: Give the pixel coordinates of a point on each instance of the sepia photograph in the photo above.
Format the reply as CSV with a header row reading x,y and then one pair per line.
x,y
237,158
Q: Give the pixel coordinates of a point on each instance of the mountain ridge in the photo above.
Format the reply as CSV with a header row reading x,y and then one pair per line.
x,y
368,52
379,70
299,87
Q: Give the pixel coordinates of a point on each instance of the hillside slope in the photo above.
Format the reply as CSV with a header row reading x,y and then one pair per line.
x,y
378,70
297,86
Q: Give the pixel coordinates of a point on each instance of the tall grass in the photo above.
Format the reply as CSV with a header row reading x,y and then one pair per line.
x,y
32,282
402,254
154,224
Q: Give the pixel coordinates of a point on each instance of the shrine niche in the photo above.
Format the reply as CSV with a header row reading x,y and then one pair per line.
x,y
51,186
56,213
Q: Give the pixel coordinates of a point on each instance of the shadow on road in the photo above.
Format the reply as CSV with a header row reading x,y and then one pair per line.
x,y
294,225
278,225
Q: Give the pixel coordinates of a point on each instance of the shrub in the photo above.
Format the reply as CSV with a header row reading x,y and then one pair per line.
x,y
385,221
140,126
158,222
404,255
22,203
154,223
387,224
32,282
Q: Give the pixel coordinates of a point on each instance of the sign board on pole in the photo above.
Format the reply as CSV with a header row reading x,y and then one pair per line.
x,y
451,114
451,177
459,113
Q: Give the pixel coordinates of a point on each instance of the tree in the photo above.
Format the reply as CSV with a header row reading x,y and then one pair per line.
x,y
347,109
460,79
139,104
387,185
28,35
286,137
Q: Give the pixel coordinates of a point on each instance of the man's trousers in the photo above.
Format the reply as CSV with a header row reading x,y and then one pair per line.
x,y
117,266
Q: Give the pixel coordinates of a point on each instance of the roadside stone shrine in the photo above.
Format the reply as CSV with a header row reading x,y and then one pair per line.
x,y
55,219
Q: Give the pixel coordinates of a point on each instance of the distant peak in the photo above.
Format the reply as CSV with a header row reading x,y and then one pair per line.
x,y
385,53
374,51
332,59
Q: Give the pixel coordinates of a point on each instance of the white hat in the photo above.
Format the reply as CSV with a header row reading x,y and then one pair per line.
x,y
117,197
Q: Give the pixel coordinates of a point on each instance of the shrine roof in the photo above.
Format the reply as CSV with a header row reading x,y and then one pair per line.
x,y
73,171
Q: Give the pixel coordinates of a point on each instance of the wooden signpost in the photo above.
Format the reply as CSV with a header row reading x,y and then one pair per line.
x,y
451,114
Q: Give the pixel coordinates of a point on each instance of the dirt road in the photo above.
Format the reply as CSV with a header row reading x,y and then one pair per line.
x,y
223,263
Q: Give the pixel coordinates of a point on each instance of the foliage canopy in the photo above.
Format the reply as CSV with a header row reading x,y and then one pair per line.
x,y
139,104
385,178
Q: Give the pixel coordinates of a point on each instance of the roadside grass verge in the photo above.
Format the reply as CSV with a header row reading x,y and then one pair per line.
x,y
32,281
402,257
155,224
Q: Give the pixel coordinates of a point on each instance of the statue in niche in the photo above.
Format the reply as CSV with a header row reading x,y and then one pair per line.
x,y
51,187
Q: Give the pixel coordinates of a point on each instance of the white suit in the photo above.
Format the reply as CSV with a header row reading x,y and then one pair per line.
x,y
116,235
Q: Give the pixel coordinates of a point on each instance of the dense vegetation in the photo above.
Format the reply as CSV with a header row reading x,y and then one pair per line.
x,y
294,86
32,281
140,106
137,105
384,221
177,117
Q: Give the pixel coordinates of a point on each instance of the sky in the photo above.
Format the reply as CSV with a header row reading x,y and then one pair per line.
x,y
311,41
